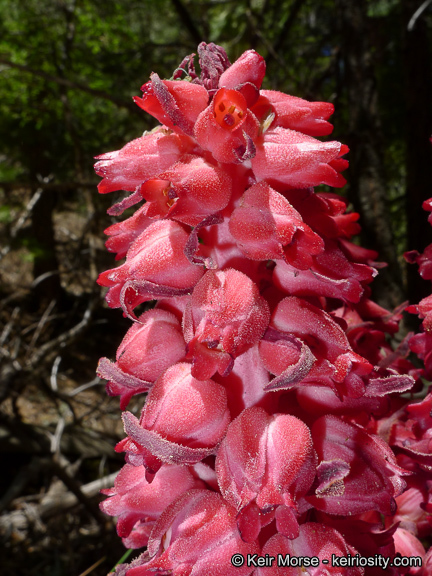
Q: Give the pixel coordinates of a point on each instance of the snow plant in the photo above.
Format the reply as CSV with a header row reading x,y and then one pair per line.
x,y
274,420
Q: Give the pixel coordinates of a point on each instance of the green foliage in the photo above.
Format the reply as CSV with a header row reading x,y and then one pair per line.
x,y
70,67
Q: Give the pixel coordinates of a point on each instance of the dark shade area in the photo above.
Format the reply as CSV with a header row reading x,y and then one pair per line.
x,y
69,69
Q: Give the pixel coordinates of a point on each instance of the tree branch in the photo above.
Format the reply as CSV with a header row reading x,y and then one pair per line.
x,y
187,21
295,9
70,84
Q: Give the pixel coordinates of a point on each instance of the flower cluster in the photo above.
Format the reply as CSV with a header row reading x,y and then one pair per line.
x,y
273,422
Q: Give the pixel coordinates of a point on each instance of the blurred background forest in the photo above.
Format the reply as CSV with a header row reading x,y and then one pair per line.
x,y
68,71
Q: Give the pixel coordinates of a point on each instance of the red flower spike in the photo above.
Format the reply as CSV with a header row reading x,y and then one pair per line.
x,y
277,333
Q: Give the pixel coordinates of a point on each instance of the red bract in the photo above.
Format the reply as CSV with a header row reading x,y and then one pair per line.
x,y
225,317
176,104
151,346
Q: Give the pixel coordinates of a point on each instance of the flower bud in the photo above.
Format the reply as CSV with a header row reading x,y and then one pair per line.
x,y
225,317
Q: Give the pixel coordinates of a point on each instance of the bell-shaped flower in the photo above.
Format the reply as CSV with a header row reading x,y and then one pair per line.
x,y
123,234
138,503
227,128
189,191
140,160
150,347
305,345
225,317
424,261
325,213
155,266
298,114
182,422
265,463
175,103
414,506
411,433
294,160
353,462
407,545
314,541
266,226
332,274
196,535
